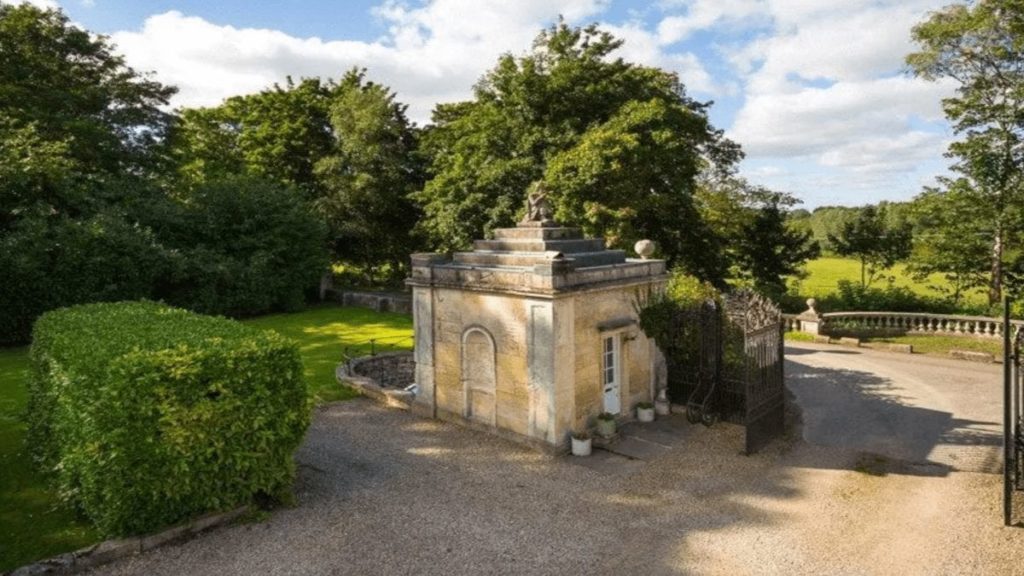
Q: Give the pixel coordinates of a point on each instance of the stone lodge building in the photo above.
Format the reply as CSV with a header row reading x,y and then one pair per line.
x,y
534,333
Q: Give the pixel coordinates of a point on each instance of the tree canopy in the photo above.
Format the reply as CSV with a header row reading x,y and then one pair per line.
x,y
279,133
346,145
751,225
981,47
619,145
877,244
71,87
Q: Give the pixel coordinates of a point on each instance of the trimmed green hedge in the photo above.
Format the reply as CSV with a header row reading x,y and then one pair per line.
x,y
149,415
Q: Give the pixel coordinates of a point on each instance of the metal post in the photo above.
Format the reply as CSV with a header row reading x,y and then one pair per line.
x,y
1008,464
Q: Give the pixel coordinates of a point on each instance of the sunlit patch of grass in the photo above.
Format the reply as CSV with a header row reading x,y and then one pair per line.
x,y
325,332
927,344
824,274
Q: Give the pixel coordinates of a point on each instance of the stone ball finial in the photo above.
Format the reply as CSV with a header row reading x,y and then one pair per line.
x,y
811,303
645,248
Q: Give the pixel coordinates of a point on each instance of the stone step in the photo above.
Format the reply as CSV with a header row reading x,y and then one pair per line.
x,y
538,233
526,259
530,245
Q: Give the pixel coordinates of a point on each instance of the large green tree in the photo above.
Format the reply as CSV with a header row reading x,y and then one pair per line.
x,y
751,225
71,87
981,47
81,141
947,240
619,145
368,177
874,241
347,145
277,134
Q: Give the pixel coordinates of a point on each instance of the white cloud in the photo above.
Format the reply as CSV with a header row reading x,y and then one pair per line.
x,y
703,14
434,53
826,88
806,121
643,47
883,154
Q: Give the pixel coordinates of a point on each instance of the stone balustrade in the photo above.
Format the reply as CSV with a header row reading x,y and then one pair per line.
x,y
915,323
791,322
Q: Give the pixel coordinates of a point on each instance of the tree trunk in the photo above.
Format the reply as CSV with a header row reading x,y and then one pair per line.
x,y
863,279
995,286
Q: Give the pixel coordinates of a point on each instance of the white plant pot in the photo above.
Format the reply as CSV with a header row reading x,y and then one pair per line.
x,y
662,407
581,447
645,414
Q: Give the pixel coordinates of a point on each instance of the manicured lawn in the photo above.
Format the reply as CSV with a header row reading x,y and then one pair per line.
x,y
33,522
324,333
825,273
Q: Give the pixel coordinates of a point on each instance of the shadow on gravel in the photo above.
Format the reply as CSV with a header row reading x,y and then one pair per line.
x,y
434,498
860,411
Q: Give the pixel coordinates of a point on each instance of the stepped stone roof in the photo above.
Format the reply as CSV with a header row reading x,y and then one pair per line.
x,y
535,258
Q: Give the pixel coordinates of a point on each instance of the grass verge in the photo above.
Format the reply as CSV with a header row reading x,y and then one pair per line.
x,y
941,345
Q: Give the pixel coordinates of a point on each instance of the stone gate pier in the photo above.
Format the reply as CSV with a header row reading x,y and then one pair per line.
x,y
533,333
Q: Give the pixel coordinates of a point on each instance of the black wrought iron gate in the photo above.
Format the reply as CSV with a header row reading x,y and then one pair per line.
x,y
764,387
1013,400
726,362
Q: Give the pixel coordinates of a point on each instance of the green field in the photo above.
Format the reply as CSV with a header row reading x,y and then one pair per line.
x,y
825,273
33,522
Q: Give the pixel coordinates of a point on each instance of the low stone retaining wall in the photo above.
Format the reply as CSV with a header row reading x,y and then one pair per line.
x,y
383,377
379,301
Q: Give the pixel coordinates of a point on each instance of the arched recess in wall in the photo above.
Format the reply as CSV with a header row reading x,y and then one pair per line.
x,y
479,376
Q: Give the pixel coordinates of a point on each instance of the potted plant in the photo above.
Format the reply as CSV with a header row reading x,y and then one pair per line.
x,y
645,412
581,443
606,424
662,406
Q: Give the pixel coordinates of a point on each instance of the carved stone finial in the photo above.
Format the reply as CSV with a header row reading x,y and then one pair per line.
x,y
811,303
644,248
538,209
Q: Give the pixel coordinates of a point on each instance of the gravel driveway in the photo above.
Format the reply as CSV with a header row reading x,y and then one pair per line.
x,y
383,492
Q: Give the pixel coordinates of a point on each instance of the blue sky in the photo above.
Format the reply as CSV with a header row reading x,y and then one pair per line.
x,y
814,91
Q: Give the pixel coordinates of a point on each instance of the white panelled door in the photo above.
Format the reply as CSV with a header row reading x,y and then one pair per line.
x,y
611,358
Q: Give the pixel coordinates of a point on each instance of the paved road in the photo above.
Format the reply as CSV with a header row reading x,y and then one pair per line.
x,y
910,408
